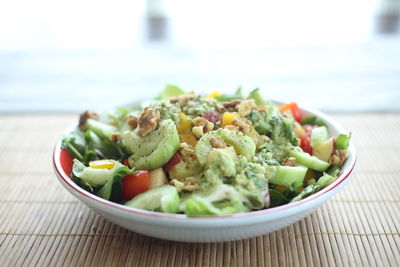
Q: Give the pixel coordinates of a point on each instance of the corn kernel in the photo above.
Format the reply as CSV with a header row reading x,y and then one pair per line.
x,y
214,94
188,138
185,124
102,164
228,118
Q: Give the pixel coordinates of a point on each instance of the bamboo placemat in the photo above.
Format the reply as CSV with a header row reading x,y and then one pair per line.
x,y
41,224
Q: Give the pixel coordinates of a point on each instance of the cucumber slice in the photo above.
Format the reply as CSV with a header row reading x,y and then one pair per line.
x,y
242,144
319,135
164,199
309,161
258,98
286,175
171,91
92,176
155,149
102,129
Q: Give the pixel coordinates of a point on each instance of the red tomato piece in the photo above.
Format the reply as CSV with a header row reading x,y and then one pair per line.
x,y
134,184
66,161
294,108
297,114
172,162
308,128
126,163
305,144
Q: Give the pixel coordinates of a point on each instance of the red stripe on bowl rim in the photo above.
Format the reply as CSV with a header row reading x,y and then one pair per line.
x,y
68,181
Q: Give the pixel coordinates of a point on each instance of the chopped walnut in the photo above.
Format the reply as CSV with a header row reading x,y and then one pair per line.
x,y
232,104
85,116
187,153
217,142
189,184
201,126
246,127
178,184
115,137
339,157
246,106
182,100
148,121
201,121
289,161
132,121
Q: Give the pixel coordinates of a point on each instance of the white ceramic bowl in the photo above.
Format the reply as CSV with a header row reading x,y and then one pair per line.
x,y
210,229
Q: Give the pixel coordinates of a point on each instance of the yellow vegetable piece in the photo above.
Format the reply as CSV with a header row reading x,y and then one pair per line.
x,y
188,138
228,118
299,130
185,124
214,94
102,164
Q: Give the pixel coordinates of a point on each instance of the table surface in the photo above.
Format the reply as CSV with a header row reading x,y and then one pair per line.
x,y
43,225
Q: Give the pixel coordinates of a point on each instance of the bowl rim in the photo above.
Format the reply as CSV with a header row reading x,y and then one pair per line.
x,y
67,181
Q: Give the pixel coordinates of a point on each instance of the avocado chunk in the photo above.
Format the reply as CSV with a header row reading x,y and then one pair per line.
x,y
242,144
164,199
153,150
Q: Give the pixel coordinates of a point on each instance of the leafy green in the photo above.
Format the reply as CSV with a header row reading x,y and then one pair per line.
x,y
309,190
313,120
107,190
322,182
116,116
277,198
343,141
75,143
103,146
226,98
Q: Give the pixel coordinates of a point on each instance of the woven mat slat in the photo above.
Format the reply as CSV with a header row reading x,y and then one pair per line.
x,y
42,224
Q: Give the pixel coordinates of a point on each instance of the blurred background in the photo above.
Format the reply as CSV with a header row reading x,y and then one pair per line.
x,y
66,56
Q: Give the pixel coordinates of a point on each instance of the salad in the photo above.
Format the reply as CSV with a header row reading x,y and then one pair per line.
x,y
203,155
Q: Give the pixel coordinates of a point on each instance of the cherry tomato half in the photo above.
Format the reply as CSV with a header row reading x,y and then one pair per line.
x,y
66,161
134,184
